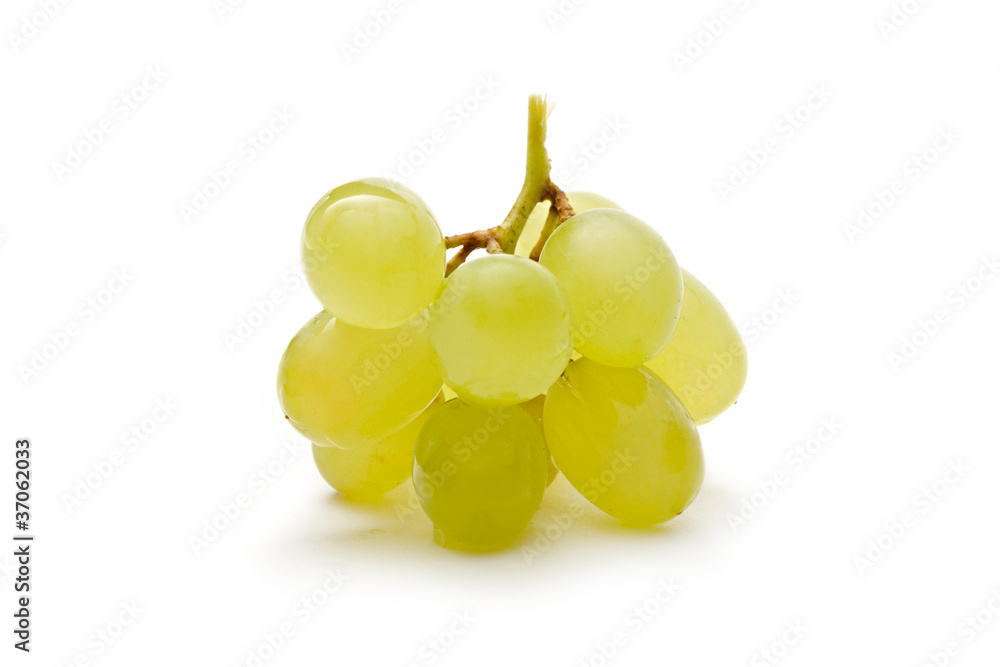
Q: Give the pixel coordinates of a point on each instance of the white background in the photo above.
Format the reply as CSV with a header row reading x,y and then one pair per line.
x,y
783,236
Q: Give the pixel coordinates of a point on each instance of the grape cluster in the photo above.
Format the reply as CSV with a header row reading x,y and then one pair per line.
x,y
482,383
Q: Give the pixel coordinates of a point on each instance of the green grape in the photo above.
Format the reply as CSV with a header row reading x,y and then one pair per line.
x,y
706,362
479,474
500,330
580,201
622,438
534,409
623,285
377,466
373,253
342,386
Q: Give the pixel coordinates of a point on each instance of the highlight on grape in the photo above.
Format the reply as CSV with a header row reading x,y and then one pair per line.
x,y
571,345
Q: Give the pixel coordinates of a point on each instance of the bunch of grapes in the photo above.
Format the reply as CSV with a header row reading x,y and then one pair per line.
x,y
577,345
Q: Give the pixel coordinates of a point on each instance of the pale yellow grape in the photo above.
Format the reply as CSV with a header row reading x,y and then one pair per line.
x,y
377,466
479,474
623,285
534,409
341,386
580,201
706,362
500,330
373,253
622,438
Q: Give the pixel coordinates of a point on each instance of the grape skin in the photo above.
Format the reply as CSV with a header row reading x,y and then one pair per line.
x,y
580,201
479,474
373,253
341,386
377,466
622,438
706,362
500,330
534,409
623,285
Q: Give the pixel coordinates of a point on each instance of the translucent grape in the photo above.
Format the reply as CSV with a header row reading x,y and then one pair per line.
x,y
580,201
373,253
500,330
623,285
622,438
378,465
534,408
706,362
342,386
479,474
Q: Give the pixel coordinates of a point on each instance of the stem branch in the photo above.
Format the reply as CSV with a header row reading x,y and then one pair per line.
x,y
559,212
538,187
